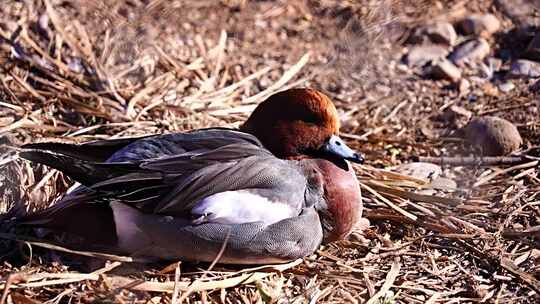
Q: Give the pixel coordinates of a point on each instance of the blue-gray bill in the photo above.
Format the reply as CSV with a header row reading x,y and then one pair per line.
x,y
336,147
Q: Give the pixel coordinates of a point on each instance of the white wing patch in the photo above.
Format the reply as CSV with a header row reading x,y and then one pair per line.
x,y
239,207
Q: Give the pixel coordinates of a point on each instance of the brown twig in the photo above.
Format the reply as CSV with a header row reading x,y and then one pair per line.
x,y
473,160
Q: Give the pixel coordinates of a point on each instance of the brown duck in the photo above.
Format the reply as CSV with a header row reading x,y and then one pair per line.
x,y
272,192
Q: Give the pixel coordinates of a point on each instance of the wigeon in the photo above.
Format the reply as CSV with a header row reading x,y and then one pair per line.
x,y
271,192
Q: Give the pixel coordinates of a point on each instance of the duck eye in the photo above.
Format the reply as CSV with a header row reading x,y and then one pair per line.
x,y
338,143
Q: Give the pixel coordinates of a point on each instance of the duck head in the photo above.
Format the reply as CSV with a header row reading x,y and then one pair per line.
x,y
300,122
303,124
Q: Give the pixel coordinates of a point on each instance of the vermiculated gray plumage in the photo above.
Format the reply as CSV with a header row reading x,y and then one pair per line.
x,y
151,184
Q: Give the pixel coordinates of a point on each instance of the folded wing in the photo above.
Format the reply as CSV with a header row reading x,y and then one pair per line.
x,y
172,174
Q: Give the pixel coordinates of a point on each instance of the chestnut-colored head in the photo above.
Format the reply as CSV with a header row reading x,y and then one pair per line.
x,y
303,124
343,200
299,122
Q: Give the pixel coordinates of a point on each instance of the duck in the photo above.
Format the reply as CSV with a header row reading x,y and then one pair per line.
x,y
271,191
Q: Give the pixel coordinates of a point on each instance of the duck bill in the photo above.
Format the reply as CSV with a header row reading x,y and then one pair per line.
x,y
335,147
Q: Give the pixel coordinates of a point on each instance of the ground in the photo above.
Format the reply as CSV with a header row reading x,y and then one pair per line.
x,y
84,70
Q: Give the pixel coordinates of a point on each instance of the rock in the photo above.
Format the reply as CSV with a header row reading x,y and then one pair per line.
x,y
506,87
420,170
443,183
43,22
445,69
438,186
494,136
75,65
524,68
422,54
470,51
362,224
357,234
522,12
402,68
441,32
437,32
480,25
533,50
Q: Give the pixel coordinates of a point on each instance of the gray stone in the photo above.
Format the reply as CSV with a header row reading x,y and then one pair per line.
x,y
443,68
494,136
443,183
470,51
436,32
43,21
524,68
524,13
506,87
422,54
420,170
480,25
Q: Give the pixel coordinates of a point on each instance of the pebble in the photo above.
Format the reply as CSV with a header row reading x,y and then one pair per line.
x,y
443,183
43,21
480,25
470,51
436,32
445,69
524,68
357,233
75,65
506,87
402,67
420,170
522,12
362,224
494,136
422,54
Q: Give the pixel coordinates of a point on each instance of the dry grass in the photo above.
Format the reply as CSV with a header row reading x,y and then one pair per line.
x,y
77,71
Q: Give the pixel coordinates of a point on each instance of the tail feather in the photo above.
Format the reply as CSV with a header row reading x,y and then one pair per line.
x,y
83,171
94,222
95,151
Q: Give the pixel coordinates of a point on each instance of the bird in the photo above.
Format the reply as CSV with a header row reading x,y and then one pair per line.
x,y
271,191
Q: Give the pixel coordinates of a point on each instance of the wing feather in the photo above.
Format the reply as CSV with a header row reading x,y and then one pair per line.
x,y
169,174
